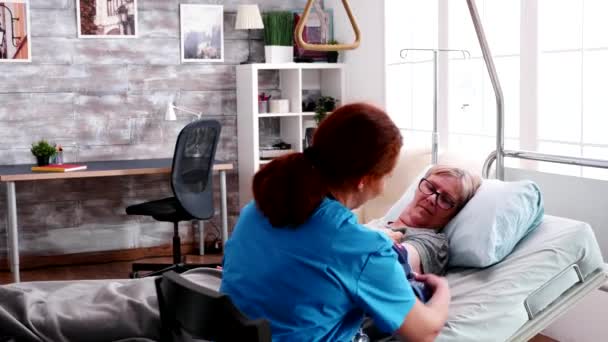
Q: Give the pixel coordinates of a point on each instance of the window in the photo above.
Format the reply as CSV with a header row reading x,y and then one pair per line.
x,y
467,106
572,72
568,75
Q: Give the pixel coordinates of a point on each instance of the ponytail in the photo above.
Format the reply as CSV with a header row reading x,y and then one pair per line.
x,y
355,141
288,189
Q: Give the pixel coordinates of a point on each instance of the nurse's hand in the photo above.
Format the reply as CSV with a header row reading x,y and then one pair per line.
x,y
425,321
435,283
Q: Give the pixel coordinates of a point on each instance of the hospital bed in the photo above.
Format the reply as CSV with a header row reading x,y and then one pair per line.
x,y
549,271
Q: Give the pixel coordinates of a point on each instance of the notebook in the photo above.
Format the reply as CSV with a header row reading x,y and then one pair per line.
x,y
59,168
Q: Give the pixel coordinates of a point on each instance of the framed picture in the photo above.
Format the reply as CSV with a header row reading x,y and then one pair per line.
x,y
107,18
318,30
202,33
15,42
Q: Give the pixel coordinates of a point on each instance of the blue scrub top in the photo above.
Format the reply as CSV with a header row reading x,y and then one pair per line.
x,y
315,282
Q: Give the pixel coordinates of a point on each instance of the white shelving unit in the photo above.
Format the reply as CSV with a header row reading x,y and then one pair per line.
x,y
294,79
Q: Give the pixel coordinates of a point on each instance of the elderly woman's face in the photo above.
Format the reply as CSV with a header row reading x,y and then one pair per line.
x,y
437,200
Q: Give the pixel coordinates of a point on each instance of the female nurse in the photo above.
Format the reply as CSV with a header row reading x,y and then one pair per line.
x,y
298,257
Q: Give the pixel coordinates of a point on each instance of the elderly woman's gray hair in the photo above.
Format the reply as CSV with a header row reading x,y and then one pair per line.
x,y
469,182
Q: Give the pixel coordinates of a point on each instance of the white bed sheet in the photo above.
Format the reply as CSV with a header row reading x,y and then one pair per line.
x,y
487,304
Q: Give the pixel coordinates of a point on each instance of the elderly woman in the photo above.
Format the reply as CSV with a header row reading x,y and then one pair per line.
x,y
441,193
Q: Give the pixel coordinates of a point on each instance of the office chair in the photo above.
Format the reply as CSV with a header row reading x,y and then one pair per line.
x,y
192,188
190,311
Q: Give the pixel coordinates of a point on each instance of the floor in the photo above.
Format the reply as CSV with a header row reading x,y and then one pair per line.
x,y
111,270
117,270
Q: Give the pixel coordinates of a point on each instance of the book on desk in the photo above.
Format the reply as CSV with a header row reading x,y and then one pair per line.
x,y
59,168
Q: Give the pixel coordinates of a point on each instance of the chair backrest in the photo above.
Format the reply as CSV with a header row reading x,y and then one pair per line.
x,y
193,167
191,311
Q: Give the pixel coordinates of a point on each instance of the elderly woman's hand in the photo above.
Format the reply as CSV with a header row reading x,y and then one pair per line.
x,y
395,236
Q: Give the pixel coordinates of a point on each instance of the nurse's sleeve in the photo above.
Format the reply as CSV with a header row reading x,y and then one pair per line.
x,y
383,291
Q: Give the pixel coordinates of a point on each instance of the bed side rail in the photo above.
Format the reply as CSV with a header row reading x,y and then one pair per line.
x,y
551,158
549,292
559,306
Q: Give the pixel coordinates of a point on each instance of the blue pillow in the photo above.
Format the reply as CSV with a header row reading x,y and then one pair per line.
x,y
489,226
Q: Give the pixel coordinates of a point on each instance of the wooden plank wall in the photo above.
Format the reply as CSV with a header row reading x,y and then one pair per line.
x,y
104,99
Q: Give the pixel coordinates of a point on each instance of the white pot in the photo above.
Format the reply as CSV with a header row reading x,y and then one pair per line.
x,y
278,54
279,106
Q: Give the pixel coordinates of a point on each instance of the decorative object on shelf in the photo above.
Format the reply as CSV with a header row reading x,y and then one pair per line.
x,y
15,31
263,102
278,149
324,104
58,158
106,19
248,18
43,151
170,112
299,30
278,37
202,33
318,30
308,106
332,56
308,134
262,107
279,106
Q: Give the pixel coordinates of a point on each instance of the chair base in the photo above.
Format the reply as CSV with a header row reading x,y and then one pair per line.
x,y
159,268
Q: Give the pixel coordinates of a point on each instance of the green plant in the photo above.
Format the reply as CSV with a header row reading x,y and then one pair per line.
x,y
278,28
43,149
324,104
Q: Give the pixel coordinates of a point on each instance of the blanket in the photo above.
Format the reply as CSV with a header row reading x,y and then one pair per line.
x,y
91,310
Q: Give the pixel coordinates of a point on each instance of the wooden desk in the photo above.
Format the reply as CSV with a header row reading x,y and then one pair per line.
x,y
18,173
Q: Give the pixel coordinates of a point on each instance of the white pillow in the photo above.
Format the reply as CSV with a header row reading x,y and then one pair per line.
x,y
489,226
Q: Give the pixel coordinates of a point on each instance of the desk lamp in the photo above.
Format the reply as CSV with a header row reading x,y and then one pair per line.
x,y
248,18
170,112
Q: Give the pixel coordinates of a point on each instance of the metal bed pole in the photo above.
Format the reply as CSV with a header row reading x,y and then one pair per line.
x,y
500,120
435,137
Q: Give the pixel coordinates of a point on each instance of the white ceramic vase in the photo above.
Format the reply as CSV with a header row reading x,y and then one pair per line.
x,y
278,54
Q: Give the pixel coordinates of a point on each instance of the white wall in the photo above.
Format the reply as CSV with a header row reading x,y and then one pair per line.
x,y
365,70
585,200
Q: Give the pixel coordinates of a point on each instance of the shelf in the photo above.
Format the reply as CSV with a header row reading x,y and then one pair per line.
x,y
294,66
299,83
276,115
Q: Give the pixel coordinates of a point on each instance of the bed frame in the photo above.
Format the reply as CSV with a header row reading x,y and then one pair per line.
x,y
542,309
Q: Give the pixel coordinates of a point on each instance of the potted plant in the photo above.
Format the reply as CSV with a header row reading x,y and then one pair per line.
x,y
278,36
43,151
332,56
324,104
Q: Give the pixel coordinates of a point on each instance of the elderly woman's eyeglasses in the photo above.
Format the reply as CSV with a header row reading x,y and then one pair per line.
x,y
442,200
